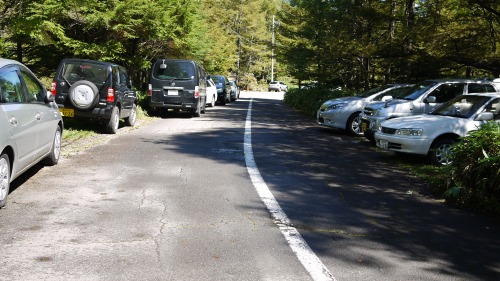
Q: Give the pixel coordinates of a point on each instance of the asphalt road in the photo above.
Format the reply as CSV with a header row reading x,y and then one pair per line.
x,y
173,200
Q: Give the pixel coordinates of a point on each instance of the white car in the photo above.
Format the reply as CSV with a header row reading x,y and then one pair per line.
x,y
211,93
30,121
433,134
277,86
343,113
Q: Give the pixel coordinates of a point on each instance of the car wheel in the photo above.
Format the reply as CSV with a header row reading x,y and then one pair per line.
x,y
55,152
212,104
114,121
440,152
4,179
130,120
83,95
354,125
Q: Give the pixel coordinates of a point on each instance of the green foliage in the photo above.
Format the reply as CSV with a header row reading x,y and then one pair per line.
x,y
309,100
475,171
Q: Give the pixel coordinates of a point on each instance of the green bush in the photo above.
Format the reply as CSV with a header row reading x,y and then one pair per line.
x,y
475,172
308,101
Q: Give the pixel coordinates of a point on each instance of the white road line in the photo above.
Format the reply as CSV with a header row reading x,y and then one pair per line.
x,y
304,253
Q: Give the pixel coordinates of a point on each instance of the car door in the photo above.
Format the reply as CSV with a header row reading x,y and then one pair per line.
x,y
126,90
21,118
46,114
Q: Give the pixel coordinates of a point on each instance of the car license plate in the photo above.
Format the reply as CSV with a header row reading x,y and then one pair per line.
x,y
383,144
172,92
67,112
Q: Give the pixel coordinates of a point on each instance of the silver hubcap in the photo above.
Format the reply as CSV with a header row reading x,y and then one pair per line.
x,y
443,154
4,178
355,125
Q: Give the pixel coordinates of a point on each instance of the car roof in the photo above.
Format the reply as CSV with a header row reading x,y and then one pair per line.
x,y
464,80
90,61
4,62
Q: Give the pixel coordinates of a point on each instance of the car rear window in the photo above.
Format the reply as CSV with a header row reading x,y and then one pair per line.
x,y
76,71
174,70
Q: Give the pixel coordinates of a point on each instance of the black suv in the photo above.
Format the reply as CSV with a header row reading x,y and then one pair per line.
x,y
179,85
223,88
95,90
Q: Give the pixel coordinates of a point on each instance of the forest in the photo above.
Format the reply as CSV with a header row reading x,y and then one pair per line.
x,y
355,44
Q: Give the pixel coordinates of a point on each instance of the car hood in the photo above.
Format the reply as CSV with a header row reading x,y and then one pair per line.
x,y
341,100
433,123
382,104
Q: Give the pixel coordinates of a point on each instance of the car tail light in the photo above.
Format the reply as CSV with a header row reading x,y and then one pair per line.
x,y
53,88
111,95
150,90
196,92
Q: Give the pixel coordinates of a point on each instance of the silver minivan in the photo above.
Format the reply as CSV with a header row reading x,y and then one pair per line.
x,y
30,122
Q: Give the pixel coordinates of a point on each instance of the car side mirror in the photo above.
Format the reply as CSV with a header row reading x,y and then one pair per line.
x,y
430,99
49,97
485,116
208,77
386,98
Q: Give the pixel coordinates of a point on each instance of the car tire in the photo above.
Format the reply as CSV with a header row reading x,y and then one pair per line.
x,y
440,152
212,104
83,95
130,120
114,121
353,125
55,151
4,179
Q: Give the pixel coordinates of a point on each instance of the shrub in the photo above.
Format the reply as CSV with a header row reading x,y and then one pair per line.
x,y
475,172
309,100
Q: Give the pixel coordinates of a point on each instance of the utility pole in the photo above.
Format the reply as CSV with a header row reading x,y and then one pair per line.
x,y
272,51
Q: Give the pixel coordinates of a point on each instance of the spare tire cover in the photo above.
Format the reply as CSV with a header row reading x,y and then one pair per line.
x,y
83,95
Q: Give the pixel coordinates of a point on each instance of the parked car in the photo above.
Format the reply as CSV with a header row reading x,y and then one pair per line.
x,y
95,90
277,86
343,113
417,101
434,134
211,93
31,124
235,90
223,88
179,85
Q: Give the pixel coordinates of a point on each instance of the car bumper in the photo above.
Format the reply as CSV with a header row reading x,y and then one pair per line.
x,y
96,113
413,145
331,119
181,106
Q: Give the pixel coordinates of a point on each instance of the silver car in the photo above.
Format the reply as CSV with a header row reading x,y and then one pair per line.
x,y
343,113
30,122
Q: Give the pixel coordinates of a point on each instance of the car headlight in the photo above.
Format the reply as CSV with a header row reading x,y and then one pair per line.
x,y
336,106
409,132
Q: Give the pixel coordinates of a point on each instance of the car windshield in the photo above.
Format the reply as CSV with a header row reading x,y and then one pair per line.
x,y
416,91
461,106
166,70
372,91
76,71
394,92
